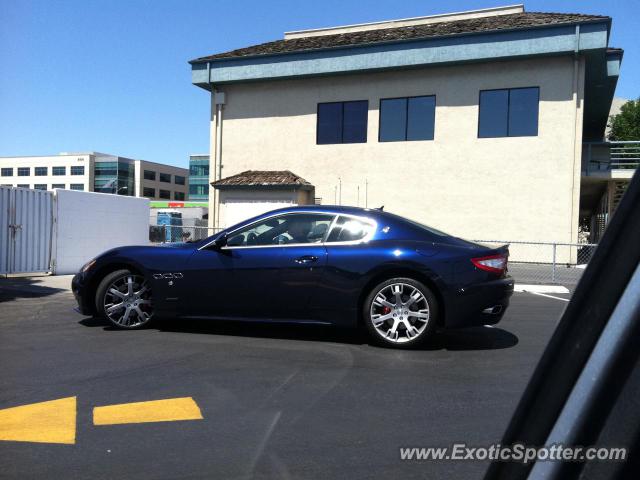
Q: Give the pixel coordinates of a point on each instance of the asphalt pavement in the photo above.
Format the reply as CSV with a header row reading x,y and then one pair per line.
x,y
276,401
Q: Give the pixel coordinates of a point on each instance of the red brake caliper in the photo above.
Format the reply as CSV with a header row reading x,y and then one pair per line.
x,y
386,310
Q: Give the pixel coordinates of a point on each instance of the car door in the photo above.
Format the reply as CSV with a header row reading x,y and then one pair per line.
x,y
349,257
269,267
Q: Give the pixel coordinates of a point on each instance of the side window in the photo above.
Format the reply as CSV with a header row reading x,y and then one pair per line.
x,y
285,229
342,122
509,112
407,119
348,229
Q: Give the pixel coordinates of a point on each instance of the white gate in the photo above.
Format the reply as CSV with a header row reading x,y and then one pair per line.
x,y
26,225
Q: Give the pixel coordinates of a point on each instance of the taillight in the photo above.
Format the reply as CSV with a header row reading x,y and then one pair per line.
x,y
492,263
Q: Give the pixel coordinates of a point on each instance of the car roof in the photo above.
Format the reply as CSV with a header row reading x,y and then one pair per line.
x,y
335,209
399,225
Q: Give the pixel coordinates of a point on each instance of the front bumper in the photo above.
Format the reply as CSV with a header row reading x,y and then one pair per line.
x,y
478,304
79,289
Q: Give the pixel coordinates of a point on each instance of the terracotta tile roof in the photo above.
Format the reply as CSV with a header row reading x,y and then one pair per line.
x,y
516,21
265,178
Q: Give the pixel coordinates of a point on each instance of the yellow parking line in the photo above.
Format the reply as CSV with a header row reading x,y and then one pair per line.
x,y
169,410
45,422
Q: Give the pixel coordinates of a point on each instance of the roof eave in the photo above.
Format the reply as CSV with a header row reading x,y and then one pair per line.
x,y
213,59
492,45
288,186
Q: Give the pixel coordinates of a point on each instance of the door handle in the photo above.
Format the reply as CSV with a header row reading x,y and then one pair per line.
x,y
306,259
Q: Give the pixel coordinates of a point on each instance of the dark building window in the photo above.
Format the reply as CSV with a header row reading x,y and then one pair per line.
x,y
57,185
149,192
23,171
178,195
403,119
114,177
509,112
393,120
106,169
22,185
342,122
7,172
166,194
149,175
178,180
77,170
329,123
40,186
40,171
198,169
77,186
57,171
196,189
165,177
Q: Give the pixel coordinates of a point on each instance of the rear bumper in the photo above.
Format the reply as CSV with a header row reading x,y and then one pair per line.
x,y
478,304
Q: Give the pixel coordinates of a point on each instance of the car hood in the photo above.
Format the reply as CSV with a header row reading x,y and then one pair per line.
x,y
136,250
176,245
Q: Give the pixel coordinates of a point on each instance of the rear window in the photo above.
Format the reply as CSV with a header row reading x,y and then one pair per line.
x,y
349,229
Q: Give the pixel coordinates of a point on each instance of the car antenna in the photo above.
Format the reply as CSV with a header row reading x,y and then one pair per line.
x,y
381,208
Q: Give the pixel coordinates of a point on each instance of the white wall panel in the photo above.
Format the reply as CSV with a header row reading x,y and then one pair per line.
x,y
90,223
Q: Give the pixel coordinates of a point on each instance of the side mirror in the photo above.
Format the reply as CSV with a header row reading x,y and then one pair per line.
x,y
220,242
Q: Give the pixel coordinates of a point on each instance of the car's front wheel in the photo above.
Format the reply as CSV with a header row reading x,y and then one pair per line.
x,y
124,298
400,312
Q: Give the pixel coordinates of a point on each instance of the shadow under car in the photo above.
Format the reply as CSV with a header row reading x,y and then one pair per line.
x,y
473,338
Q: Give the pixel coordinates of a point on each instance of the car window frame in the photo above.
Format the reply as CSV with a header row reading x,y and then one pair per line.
x,y
324,242
249,226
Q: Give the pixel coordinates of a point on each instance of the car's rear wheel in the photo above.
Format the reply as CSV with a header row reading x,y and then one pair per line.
x,y
401,313
124,298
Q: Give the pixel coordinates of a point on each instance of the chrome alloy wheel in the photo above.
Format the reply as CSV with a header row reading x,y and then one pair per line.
x,y
399,312
127,301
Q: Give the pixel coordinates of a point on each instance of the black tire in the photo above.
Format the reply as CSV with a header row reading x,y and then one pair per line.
x,y
104,297
411,315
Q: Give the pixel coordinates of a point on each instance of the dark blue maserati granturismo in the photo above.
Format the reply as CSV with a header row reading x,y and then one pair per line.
x,y
342,266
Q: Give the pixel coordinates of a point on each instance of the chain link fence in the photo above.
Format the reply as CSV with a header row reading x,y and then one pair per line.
x,y
546,262
179,233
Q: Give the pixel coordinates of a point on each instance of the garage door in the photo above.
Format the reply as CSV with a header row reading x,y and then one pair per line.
x,y
236,210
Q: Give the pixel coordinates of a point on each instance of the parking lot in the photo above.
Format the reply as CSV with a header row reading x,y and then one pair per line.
x,y
276,401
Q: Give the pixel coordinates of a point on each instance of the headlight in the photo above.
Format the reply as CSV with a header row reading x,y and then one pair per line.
x,y
88,265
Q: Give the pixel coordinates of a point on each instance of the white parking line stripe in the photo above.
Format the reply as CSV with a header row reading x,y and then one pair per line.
x,y
519,287
549,296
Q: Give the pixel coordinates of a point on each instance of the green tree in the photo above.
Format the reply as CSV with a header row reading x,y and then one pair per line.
x,y
626,124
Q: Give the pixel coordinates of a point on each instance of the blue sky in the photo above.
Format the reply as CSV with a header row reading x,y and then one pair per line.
x,y
112,75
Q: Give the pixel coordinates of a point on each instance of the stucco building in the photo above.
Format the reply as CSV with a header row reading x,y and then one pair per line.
x,y
472,122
